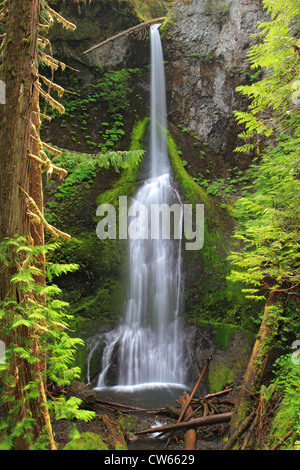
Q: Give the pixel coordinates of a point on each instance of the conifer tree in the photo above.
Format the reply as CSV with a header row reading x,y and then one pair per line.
x,y
23,158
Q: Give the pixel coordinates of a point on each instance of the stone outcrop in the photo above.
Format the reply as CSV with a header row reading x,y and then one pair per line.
x,y
206,49
95,21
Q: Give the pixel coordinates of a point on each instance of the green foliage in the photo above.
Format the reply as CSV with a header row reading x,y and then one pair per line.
x,y
268,215
226,187
287,385
111,93
266,259
269,223
191,191
82,169
273,106
127,182
46,324
69,409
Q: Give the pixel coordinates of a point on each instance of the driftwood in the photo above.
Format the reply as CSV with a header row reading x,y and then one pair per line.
x,y
128,31
193,423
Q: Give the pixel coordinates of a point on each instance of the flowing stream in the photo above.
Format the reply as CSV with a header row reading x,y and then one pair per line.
x,y
149,341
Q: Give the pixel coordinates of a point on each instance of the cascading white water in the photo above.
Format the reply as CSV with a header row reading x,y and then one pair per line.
x,y
158,143
150,341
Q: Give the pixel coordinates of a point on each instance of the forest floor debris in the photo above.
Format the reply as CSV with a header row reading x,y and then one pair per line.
x,y
115,421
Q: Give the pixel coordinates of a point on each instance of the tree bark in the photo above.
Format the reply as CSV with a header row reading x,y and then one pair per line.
x,y
19,71
255,369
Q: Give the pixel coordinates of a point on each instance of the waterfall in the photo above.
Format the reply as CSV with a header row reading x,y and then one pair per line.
x,y
149,340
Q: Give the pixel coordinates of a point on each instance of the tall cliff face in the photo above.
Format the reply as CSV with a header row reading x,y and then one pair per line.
x,y
206,44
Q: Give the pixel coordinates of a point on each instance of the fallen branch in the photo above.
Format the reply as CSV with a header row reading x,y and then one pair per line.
x,y
124,33
193,423
217,394
185,407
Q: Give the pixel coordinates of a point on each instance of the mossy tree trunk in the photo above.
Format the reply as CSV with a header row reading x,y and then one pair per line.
x,y
255,369
18,138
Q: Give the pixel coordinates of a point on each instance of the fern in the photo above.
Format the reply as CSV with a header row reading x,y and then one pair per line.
x,y
49,321
277,55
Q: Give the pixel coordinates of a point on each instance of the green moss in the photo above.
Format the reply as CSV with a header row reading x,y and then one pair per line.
x,y
138,134
126,185
87,441
228,364
190,190
219,374
281,424
224,333
166,29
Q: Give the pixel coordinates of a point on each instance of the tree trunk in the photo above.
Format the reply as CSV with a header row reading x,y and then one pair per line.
x,y
255,369
190,435
19,71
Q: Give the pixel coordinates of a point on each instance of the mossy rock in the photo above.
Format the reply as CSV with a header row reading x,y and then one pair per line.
x,y
87,441
231,357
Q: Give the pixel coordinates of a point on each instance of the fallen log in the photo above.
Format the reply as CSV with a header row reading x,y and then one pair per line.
x,y
193,423
130,408
115,434
127,31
